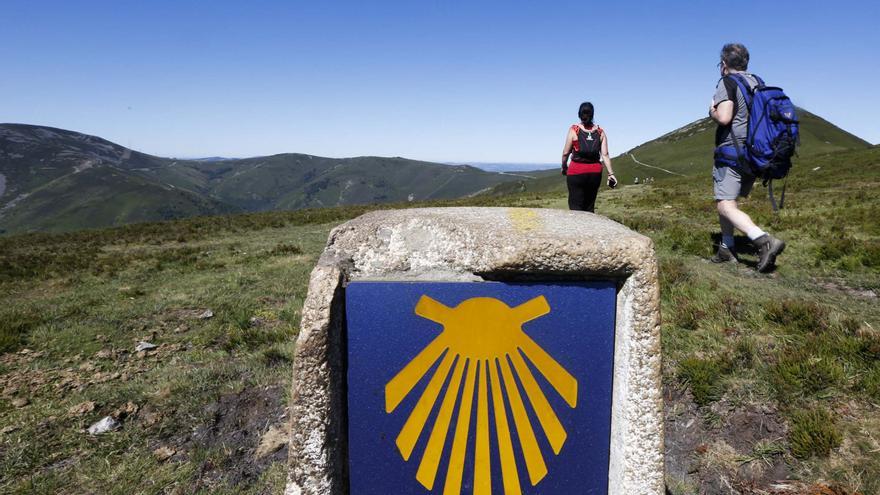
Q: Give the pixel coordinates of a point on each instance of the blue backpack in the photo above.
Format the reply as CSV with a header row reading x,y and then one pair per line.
x,y
773,131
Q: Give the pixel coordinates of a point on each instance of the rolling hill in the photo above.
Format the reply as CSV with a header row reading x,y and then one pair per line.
x,y
57,180
688,151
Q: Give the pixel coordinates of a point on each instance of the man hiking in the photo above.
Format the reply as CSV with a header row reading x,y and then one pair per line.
x,y
732,176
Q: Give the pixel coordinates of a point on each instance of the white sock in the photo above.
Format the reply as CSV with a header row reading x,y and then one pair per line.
x,y
755,232
728,242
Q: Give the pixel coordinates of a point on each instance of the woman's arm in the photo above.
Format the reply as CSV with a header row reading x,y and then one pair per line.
x,y
566,150
606,160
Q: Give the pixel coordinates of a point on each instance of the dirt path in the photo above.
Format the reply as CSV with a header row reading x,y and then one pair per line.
x,y
652,166
517,175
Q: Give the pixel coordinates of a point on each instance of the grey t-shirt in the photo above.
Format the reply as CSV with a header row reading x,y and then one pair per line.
x,y
740,119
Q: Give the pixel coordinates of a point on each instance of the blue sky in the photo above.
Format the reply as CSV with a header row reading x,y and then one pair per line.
x,y
443,81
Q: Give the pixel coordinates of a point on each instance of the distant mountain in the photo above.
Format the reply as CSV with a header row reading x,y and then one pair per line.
x,y
213,159
53,179
688,151
511,167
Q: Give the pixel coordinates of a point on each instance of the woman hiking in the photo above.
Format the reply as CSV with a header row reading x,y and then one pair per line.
x,y
587,145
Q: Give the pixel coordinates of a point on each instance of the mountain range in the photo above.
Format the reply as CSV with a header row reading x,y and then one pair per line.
x,y
55,180
59,180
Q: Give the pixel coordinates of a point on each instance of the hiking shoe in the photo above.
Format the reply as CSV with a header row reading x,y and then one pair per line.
x,y
769,248
724,255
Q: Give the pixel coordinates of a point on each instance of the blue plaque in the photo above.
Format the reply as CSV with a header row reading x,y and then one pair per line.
x,y
479,388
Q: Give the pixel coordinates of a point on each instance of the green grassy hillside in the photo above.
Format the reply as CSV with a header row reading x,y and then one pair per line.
x,y
106,196
688,151
54,179
772,382
293,181
57,180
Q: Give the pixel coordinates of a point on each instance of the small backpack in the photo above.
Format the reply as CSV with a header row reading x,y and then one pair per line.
x,y
589,144
773,130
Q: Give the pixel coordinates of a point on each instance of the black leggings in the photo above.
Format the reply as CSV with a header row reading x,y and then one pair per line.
x,y
582,190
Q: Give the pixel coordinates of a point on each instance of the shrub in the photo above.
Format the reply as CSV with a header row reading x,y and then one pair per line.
x,y
644,223
833,248
251,339
744,352
735,308
848,253
285,249
672,272
801,374
868,347
870,255
276,355
687,240
813,433
15,324
687,315
869,383
801,316
703,377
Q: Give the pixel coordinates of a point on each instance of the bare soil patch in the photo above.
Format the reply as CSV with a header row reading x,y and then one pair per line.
x,y
238,421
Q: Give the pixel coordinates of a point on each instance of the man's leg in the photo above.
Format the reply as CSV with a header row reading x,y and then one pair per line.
x,y
726,249
726,232
768,246
729,213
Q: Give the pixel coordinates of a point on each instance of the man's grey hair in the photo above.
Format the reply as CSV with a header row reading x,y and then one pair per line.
x,y
735,56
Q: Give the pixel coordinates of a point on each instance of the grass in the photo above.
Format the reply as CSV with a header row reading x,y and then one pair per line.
x,y
801,346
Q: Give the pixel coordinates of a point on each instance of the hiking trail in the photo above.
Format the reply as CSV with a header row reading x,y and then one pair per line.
x,y
652,166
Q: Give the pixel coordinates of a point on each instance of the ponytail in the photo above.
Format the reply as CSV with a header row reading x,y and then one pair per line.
x,y
585,113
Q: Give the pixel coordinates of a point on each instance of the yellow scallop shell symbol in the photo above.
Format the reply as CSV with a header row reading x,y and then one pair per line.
x,y
482,345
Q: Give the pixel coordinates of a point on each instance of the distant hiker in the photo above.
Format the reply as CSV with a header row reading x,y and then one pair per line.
x,y
733,178
587,145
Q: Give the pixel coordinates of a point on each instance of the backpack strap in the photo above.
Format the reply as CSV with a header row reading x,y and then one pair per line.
x,y
782,196
773,204
731,84
746,89
577,128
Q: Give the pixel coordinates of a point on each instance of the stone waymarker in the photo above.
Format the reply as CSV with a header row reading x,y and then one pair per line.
x,y
479,350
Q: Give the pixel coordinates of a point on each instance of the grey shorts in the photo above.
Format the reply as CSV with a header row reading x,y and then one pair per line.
x,y
729,184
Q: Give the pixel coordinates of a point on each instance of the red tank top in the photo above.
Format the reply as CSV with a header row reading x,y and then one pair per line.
x,y
576,167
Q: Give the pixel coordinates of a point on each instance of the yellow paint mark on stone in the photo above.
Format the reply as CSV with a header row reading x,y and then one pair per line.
x,y
524,219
